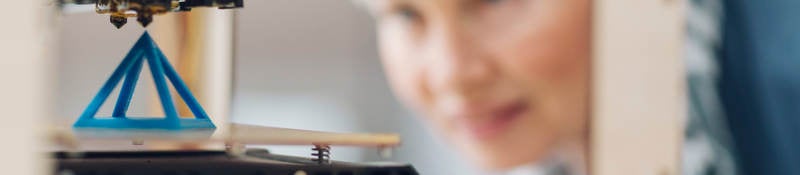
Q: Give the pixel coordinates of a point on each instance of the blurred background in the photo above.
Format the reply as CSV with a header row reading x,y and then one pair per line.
x,y
298,64
311,64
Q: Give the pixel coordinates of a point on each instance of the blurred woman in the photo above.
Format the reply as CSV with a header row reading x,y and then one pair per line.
x,y
505,81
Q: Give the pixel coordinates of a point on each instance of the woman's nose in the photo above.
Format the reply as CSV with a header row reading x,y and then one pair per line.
x,y
458,63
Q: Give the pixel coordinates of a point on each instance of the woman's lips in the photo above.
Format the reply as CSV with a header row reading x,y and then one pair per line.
x,y
493,121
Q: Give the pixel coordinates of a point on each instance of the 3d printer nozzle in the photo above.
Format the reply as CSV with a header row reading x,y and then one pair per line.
x,y
144,10
118,21
145,19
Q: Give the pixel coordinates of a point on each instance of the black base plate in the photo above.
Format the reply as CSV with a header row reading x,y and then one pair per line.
x,y
253,162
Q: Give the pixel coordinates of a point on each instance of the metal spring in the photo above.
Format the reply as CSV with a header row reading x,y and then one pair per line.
x,y
322,154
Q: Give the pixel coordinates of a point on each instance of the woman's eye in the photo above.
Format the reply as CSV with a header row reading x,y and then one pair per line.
x,y
492,1
408,13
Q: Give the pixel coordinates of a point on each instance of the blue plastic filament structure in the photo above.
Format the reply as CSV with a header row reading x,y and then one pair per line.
x,y
145,49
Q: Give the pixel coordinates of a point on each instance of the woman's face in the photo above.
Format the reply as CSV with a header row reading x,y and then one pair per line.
x,y
506,81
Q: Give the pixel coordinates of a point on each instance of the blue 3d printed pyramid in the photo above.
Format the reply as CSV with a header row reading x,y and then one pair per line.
x,y
131,66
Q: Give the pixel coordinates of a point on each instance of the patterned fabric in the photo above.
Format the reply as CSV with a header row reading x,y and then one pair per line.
x,y
567,159
550,167
708,148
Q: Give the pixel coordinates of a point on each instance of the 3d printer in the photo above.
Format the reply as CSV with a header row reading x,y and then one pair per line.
x,y
196,146
143,10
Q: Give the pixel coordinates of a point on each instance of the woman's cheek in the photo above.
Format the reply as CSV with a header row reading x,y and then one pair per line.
x,y
404,69
542,48
408,74
545,57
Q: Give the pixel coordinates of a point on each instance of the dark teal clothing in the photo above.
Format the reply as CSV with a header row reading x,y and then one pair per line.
x,y
760,83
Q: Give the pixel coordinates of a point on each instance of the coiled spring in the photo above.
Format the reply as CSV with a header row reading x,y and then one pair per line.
x,y
322,154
